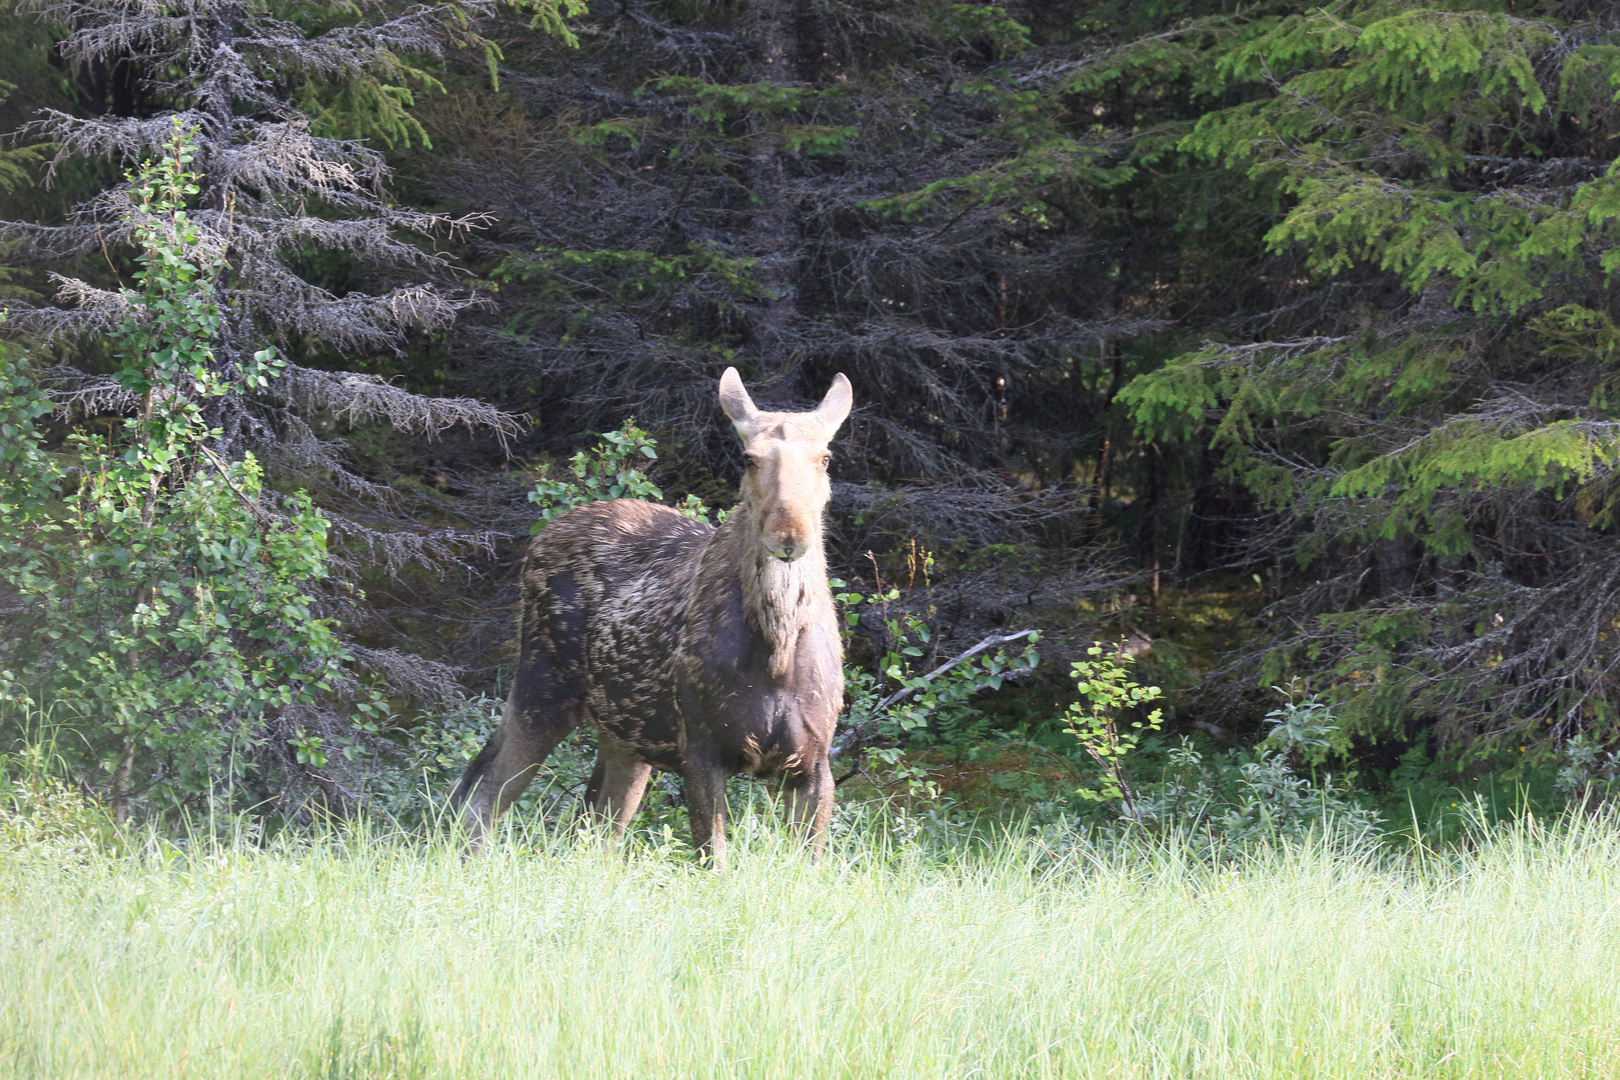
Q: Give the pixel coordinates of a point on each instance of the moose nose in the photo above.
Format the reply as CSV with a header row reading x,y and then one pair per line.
x,y
788,550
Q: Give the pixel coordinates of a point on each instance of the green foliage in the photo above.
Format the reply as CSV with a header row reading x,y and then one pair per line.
x,y
1590,775
1307,728
1239,799
165,604
717,104
903,693
1059,159
627,274
1272,801
989,23
612,470
16,162
166,356
365,106
43,815
550,17
591,282
1224,801
906,700
1456,163
17,165
1108,698
374,99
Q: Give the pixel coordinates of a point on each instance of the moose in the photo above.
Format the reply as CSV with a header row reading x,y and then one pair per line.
x,y
691,649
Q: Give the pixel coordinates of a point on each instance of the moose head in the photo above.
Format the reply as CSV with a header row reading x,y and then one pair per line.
x,y
785,486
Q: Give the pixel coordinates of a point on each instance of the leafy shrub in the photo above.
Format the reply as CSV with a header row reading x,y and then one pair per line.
x,y
1590,775
613,469
162,594
1233,798
1107,695
905,699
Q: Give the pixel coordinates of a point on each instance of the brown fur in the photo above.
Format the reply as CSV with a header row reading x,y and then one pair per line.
x,y
690,649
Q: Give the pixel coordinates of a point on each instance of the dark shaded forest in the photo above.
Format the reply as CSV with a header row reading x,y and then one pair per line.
x,y
1273,341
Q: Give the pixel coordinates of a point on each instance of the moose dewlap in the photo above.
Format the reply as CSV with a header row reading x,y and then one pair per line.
x,y
698,650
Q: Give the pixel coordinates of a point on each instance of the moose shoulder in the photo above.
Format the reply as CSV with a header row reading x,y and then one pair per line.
x,y
691,649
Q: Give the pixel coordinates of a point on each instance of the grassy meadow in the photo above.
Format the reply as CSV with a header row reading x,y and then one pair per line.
x,y
356,956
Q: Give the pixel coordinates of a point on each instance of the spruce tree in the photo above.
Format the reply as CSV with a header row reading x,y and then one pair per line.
x,y
311,263
1427,415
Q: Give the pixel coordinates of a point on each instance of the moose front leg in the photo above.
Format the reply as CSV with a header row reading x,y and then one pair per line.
x,y
809,801
705,788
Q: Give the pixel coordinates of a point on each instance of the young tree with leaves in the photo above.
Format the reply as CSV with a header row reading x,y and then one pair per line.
x,y
161,608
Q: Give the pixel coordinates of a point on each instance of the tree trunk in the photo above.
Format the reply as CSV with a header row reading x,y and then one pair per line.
x,y
776,233
218,101
120,781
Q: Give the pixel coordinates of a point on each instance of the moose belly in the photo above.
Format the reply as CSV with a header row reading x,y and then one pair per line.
x,y
631,695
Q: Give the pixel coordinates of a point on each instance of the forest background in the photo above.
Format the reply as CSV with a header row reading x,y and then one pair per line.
x,y
1274,342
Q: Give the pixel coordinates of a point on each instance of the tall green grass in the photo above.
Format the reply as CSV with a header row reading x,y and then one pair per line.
x,y
357,956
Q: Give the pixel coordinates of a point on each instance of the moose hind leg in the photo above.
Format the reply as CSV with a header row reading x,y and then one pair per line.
x,y
540,712
809,800
620,780
593,786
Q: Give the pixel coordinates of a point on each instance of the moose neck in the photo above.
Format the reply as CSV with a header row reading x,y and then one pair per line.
x,y
780,597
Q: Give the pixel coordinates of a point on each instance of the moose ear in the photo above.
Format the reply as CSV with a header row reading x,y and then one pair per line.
x,y
834,408
738,406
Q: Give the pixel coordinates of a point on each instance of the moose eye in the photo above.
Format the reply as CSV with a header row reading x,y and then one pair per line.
x,y
750,462
826,459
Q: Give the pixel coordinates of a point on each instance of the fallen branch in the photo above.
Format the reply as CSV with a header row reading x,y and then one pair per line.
x,y
854,738
906,691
